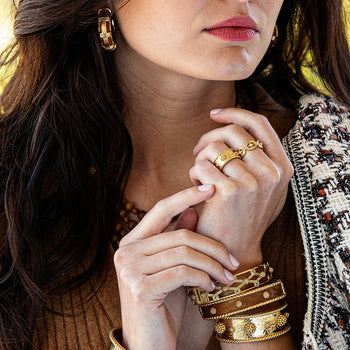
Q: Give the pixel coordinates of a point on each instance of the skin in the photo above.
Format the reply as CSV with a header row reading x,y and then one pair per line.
x,y
173,74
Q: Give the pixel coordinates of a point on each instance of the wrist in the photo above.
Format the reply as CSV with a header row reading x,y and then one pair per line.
x,y
248,261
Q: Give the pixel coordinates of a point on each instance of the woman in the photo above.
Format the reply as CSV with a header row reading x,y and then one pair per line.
x,y
181,111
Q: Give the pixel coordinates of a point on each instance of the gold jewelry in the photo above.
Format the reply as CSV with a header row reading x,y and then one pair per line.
x,y
243,281
274,36
237,304
115,334
106,29
250,146
263,326
224,157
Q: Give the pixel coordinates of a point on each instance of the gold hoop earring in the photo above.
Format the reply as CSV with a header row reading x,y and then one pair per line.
x,y
274,36
106,29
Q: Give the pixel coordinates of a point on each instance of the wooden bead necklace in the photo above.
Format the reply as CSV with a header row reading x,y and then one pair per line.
x,y
129,217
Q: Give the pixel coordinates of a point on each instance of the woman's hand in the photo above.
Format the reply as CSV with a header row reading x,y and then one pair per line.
x,y
250,193
153,265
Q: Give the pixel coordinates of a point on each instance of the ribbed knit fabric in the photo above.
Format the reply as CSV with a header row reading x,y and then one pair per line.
x,y
89,328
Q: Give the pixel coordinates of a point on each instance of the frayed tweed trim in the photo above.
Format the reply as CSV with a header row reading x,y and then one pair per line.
x,y
315,251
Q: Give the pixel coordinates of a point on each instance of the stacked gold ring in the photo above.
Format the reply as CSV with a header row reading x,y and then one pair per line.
x,y
224,157
228,154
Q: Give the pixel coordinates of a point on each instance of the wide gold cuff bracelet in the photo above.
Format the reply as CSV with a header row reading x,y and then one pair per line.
x,y
243,329
114,334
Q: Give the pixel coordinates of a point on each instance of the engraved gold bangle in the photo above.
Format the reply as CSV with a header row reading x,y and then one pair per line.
x,y
257,327
243,281
114,334
265,337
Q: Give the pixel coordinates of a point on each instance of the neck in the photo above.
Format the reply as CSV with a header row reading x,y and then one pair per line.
x,y
166,114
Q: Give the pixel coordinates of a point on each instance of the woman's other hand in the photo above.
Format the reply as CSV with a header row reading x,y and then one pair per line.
x,y
152,265
250,192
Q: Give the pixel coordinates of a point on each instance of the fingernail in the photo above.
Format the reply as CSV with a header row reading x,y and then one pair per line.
x,y
229,275
204,188
195,149
215,111
234,261
212,285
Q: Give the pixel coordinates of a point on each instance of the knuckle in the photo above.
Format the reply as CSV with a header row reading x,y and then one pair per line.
x,y
262,119
250,183
215,147
181,271
125,274
234,128
271,173
184,234
138,287
289,171
161,205
120,256
202,166
182,251
229,187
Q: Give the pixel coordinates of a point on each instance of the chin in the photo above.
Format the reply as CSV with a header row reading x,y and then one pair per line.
x,y
227,74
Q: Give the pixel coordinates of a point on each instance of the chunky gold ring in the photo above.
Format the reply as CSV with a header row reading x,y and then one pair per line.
x,y
249,146
224,157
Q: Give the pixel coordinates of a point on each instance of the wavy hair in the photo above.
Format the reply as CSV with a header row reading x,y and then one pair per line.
x,y
62,114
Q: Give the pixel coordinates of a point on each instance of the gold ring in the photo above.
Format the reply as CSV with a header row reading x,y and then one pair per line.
x,y
250,146
224,157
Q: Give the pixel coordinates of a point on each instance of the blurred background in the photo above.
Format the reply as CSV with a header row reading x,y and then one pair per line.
x,y
6,24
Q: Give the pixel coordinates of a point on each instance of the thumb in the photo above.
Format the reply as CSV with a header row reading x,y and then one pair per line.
x,y
187,220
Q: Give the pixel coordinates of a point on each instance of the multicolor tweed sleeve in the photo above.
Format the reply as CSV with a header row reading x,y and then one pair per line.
x,y
319,148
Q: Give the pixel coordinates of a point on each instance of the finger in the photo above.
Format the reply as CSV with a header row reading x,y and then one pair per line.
x,y
255,124
166,281
160,216
173,239
187,220
184,255
233,168
232,179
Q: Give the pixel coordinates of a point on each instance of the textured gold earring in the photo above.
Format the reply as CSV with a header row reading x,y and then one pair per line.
x,y
274,36
106,29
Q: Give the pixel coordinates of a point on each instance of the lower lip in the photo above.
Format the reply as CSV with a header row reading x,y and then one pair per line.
x,y
233,33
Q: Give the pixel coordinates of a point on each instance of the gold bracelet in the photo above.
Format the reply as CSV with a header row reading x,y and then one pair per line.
x,y
252,328
243,281
237,304
266,337
114,334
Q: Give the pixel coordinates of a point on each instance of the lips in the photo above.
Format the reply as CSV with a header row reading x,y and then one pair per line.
x,y
234,29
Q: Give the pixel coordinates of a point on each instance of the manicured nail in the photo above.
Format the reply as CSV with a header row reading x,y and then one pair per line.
x,y
216,111
234,261
229,275
204,188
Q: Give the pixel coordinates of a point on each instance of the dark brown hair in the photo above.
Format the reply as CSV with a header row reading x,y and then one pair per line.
x,y
61,114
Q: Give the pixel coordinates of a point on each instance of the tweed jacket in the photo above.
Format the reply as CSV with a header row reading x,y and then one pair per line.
x,y
319,148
